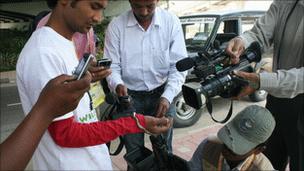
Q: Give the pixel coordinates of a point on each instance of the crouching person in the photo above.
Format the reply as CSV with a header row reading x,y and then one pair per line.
x,y
238,145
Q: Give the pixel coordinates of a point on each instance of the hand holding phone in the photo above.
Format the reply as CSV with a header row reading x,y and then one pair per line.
x,y
83,65
105,62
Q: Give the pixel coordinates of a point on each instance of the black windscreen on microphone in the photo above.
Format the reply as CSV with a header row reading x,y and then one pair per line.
x,y
253,52
185,64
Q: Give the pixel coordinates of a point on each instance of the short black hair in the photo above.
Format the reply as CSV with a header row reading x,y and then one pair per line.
x,y
51,3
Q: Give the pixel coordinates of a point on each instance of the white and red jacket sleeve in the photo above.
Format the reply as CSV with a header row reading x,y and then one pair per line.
x,y
69,133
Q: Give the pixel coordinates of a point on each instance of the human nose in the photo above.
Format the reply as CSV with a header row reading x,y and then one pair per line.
x,y
98,17
144,12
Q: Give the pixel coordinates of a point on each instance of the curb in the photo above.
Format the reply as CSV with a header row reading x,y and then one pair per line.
x,y
8,77
4,80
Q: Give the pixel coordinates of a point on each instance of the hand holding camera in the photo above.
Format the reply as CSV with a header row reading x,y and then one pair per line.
x,y
83,66
100,69
235,48
62,94
253,83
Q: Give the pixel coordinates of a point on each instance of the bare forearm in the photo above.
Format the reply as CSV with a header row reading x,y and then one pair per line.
x,y
18,148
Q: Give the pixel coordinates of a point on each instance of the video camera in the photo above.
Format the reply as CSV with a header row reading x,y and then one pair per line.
x,y
123,104
214,76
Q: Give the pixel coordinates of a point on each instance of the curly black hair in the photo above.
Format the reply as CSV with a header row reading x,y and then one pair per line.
x,y
51,3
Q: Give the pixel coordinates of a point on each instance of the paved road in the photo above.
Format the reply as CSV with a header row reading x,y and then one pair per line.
x,y
11,110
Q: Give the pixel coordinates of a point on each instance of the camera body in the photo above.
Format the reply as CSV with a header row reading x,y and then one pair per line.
x,y
214,76
83,65
105,62
124,104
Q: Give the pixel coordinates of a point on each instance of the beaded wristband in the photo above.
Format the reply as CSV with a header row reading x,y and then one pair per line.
x,y
139,125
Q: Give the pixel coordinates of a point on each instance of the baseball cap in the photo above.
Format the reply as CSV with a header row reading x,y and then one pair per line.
x,y
249,128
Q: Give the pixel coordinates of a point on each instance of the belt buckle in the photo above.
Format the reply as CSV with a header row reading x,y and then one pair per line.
x,y
151,92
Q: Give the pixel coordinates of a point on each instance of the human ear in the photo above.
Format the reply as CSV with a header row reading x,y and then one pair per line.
x,y
260,149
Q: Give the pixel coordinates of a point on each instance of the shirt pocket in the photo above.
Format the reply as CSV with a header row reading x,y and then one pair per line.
x,y
161,61
160,53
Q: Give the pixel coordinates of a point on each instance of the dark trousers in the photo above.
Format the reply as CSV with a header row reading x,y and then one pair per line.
x,y
146,104
285,140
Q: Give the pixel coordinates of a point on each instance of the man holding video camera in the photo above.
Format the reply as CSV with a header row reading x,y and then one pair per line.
x,y
75,140
282,26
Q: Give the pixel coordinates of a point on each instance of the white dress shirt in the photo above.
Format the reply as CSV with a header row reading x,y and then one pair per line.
x,y
143,60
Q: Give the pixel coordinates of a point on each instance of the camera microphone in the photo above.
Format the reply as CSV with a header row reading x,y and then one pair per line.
x,y
185,64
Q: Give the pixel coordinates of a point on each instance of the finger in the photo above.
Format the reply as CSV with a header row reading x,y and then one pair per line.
x,y
82,84
163,121
159,111
94,62
240,95
80,95
102,74
63,78
241,74
94,69
162,129
164,110
87,77
230,46
245,91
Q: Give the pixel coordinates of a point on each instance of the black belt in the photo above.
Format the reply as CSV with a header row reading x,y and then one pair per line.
x,y
159,89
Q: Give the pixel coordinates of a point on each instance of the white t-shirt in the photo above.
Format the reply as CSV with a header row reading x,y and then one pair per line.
x,y
46,55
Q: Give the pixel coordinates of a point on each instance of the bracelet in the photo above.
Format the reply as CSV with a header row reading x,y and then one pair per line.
x,y
139,125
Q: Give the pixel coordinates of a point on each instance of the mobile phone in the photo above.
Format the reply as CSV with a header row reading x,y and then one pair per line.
x,y
83,65
105,62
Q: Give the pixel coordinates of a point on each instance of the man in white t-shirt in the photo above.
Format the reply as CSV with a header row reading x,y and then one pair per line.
x,y
76,140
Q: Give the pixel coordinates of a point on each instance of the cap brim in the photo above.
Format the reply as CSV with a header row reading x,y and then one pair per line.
x,y
234,141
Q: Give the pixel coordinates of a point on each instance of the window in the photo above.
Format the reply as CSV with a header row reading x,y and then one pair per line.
x,y
247,23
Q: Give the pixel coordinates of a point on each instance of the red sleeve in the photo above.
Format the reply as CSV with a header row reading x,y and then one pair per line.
x,y
69,133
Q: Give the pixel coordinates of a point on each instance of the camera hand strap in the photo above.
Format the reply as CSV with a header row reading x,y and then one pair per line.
x,y
209,108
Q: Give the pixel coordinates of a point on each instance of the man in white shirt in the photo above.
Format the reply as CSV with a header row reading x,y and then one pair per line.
x,y
76,140
144,44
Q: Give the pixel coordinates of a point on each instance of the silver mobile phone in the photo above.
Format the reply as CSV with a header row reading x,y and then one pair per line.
x,y
105,62
83,65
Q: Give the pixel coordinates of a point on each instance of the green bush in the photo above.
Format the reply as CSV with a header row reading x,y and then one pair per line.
x,y
11,43
99,30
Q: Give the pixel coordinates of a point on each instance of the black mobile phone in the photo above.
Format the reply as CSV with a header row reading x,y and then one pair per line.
x,y
83,65
105,62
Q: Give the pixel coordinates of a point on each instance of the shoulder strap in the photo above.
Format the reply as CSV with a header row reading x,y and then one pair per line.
x,y
118,149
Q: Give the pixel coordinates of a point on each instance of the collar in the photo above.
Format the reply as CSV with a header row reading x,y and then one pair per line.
x,y
156,20
245,165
